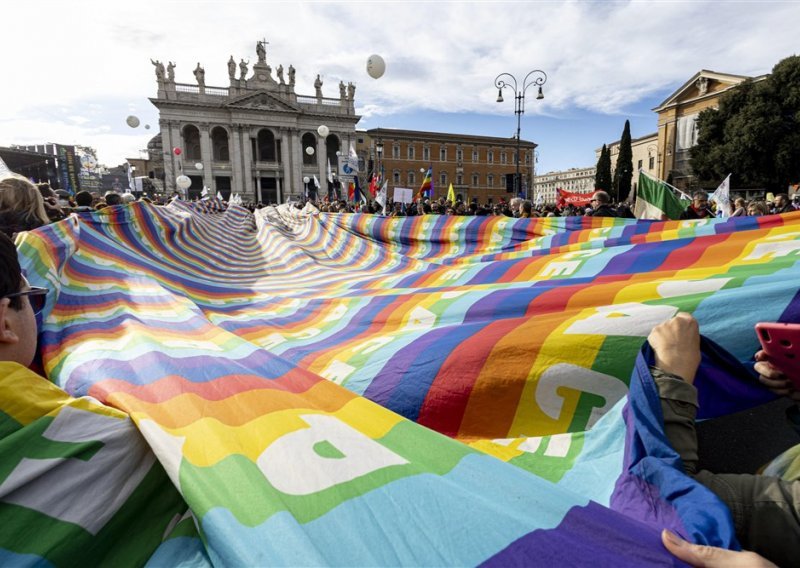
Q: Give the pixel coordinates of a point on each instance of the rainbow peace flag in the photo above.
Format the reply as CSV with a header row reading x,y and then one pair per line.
x,y
326,389
426,189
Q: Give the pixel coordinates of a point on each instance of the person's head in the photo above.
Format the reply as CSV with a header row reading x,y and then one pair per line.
x,y
700,199
781,201
20,196
113,198
84,199
739,202
757,208
600,198
19,304
526,208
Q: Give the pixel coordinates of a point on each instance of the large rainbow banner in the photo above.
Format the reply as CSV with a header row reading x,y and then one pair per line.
x,y
311,389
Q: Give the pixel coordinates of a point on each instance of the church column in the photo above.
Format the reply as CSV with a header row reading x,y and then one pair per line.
x,y
278,184
176,161
208,156
247,162
322,162
297,161
286,155
237,183
166,149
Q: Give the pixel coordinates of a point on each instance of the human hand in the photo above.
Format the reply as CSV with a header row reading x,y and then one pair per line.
x,y
773,378
676,343
711,556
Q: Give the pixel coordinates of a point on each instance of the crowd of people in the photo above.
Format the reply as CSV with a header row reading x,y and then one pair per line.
x,y
766,510
25,206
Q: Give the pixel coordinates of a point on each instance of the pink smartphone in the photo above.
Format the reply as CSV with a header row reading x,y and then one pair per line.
x,y
781,342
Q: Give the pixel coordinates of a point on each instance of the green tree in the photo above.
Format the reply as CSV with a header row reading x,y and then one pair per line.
x,y
623,172
754,134
602,176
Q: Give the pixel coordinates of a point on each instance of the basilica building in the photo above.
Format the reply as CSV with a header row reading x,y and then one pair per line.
x,y
256,137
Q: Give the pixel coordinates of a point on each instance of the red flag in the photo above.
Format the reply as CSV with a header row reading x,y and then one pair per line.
x,y
373,186
351,191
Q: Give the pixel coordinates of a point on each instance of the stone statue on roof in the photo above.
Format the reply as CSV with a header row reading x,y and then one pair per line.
x,y
171,72
280,74
291,76
159,69
200,75
261,52
318,86
243,69
231,68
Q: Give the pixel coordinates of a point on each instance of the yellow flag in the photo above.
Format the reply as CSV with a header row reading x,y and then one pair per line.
x,y
451,194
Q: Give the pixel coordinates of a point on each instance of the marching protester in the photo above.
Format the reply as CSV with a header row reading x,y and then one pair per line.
x,y
699,207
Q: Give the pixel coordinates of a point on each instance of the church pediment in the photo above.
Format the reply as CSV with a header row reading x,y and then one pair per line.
x,y
703,84
262,100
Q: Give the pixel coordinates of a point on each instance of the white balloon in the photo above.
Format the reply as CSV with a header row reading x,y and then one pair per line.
x,y
199,165
376,66
183,182
323,131
132,121
310,150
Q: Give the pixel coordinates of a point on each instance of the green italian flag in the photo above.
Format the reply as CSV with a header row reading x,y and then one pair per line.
x,y
656,200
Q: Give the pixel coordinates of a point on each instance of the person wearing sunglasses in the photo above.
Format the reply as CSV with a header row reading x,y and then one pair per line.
x,y
20,303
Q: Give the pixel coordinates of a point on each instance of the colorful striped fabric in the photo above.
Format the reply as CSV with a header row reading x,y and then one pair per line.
x,y
446,342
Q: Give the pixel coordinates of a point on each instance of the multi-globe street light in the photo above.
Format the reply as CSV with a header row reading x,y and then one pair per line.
x,y
536,78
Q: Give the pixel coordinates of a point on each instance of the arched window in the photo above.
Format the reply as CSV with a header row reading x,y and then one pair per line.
x,y
266,146
490,180
459,179
412,177
309,141
475,180
333,145
219,144
396,177
191,142
443,179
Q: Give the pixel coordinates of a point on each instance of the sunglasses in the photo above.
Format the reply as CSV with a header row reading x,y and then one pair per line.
x,y
36,296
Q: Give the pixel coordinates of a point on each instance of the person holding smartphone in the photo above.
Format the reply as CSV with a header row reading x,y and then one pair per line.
x,y
765,510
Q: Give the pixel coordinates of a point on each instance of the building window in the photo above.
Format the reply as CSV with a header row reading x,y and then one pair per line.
x,y
360,140
459,154
652,162
490,157
474,180
503,158
459,179
410,152
426,154
490,180
395,152
443,154
396,178
640,165
474,155
443,179
527,158
412,177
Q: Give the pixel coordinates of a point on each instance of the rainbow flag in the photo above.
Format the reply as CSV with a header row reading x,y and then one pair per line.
x,y
335,389
426,189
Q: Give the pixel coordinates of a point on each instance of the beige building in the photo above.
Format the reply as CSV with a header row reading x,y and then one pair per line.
x,y
482,167
256,137
677,121
644,151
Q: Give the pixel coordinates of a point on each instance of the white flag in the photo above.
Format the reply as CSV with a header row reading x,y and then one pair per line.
x,y
204,193
722,197
539,199
330,173
219,196
4,169
351,165
382,195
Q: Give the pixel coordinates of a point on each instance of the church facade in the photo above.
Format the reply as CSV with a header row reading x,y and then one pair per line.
x,y
256,137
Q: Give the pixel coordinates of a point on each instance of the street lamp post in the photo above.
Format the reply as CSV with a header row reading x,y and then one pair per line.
x,y
306,179
536,77
379,152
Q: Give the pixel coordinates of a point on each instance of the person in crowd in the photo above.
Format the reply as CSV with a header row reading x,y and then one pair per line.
x,y
757,208
112,198
83,201
601,205
739,207
781,204
699,207
21,205
765,510
526,210
50,201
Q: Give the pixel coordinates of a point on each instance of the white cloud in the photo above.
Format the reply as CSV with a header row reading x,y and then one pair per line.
x,y
93,58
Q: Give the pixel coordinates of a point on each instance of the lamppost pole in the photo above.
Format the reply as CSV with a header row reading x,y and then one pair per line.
x,y
536,77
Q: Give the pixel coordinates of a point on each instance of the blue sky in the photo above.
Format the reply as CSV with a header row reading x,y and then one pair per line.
x,y
72,72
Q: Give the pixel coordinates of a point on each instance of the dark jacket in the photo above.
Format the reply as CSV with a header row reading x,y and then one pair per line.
x,y
604,210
